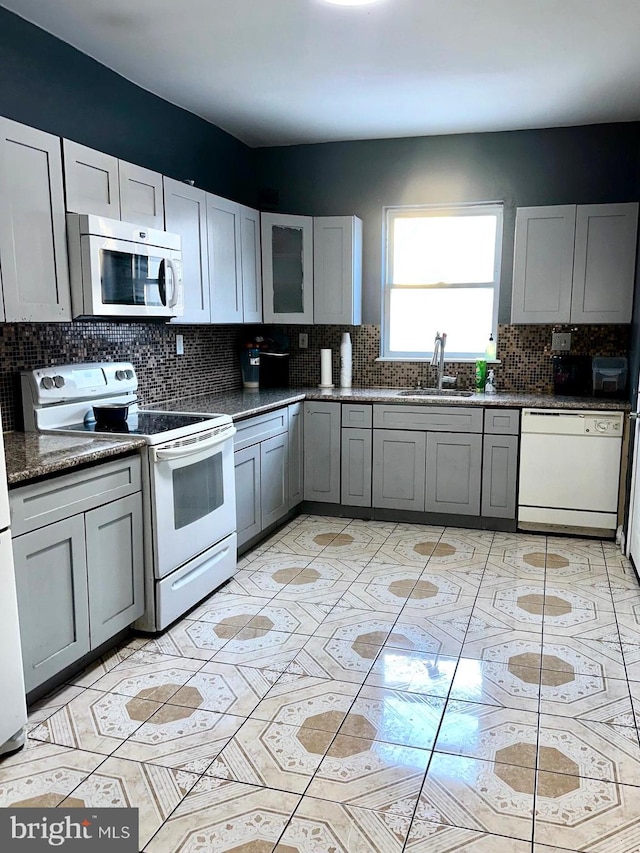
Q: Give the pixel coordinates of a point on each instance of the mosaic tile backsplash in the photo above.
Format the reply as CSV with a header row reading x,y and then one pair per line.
x,y
210,362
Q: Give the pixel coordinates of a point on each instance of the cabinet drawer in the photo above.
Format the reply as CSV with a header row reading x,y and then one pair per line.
x,y
431,418
354,415
502,421
253,430
38,504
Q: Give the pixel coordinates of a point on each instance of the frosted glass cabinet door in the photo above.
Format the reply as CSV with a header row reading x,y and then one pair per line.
x,y
287,268
33,241
91,180
51,583
185,211
543,264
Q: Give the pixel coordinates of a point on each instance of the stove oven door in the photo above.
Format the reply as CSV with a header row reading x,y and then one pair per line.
x,y
193,503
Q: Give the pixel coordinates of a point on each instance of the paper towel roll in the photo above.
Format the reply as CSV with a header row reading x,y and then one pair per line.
x,y
326,371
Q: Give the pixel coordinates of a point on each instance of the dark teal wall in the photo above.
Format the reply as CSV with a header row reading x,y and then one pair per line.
x,y
599,163
48,84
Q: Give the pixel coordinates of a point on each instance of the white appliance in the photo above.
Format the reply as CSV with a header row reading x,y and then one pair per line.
x,y
570,470
119,269
13,708
188,479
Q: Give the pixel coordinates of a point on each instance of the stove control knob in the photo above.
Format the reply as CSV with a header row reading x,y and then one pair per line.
x,y
58,381
46,382
120,375
129,374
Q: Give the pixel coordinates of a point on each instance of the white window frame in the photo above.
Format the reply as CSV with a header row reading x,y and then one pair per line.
x,y
394,212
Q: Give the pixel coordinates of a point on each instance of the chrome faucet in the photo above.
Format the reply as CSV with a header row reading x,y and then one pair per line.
x,y
437,359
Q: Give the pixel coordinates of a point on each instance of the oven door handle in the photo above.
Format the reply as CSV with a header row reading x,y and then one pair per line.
x,y
192,449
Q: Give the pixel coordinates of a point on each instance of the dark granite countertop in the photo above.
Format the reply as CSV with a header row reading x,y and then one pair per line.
x,y
32,455
242,404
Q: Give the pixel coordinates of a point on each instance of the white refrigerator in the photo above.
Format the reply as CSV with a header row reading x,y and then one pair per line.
x,y
13,709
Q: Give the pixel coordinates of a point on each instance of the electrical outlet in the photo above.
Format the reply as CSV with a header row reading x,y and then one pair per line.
x,y
303,340
561,341
179,344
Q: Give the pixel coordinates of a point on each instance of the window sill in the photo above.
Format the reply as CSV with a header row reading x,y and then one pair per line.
x,y
427,360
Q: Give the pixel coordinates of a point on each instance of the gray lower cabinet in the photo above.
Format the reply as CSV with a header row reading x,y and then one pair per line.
x,y
356,464
322,456
274,491
454,473
114,555
248,503
499,476
51,584
296,454
399,459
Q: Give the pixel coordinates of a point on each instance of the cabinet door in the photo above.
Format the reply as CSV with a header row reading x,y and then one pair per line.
x,y
33,245
251,265
356,466
454,467
115,567
499,476
185,213
141,198
273,477
287,268
399,469
248,506
322,456
604,263
296,454
91,181
225,271
337,270
543,264
51,582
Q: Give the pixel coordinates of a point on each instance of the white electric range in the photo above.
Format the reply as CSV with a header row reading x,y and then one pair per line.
x,y
188,478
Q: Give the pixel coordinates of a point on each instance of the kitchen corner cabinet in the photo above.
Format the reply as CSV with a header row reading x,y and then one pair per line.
x,y
33,247
185,211
322,452
78,562
287,268
261,460
101,184
574,263
337,270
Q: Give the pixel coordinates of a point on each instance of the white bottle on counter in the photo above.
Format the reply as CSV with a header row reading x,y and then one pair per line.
x,y
345,361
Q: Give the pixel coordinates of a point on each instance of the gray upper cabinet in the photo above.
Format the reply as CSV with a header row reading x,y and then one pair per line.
x,y
91,180
287,268
33,247
225,260
604,263
251,265
185,211
141,196
399,460
454,469
574,264
337,270
51,583
322,452
101,184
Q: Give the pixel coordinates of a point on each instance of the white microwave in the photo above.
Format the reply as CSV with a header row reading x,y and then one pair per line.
x,y
123,270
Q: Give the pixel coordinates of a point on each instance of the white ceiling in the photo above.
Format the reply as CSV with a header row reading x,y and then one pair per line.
x,y
278,72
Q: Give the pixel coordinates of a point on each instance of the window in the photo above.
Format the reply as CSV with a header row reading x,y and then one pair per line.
x,y
442,275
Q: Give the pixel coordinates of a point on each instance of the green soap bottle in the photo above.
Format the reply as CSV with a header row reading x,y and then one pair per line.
x,y
481,375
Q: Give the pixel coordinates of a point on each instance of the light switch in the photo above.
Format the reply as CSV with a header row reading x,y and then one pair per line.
x,y
303,340
179,345
561,341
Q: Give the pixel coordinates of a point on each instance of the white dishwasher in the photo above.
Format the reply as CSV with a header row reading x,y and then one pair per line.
x,y
570,470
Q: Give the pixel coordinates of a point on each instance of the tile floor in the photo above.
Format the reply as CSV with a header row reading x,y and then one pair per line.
x,y
366,687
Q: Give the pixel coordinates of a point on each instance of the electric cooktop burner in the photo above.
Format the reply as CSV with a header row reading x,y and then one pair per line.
x,y
143,423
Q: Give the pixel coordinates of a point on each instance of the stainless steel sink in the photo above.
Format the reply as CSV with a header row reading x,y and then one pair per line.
x,y
434,392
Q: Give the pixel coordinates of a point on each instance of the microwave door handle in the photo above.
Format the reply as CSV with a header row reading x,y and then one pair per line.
x,y
162,282
192,449
174,282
